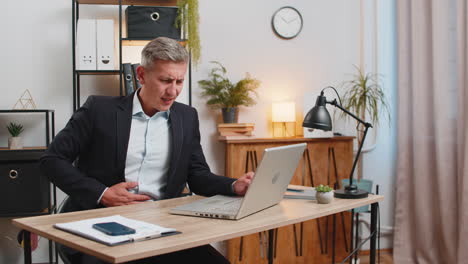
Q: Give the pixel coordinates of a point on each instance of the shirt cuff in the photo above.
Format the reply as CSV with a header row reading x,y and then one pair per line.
x,y
102,194
232,187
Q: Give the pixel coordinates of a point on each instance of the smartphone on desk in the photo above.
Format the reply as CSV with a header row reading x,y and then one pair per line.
x,y
114,228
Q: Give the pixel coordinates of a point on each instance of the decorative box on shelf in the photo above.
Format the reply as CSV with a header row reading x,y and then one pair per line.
x,y
23,185
235,130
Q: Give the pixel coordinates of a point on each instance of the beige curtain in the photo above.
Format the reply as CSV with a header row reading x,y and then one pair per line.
x,y
462,132
431,214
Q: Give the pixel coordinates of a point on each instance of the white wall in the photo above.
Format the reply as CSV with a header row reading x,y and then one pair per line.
x,y
36,55
242,39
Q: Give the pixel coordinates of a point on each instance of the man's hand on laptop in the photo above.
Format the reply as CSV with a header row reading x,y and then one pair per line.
x,y
242,184
118,194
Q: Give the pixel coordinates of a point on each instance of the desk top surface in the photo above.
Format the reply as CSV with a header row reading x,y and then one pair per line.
x,y
285,140
196,231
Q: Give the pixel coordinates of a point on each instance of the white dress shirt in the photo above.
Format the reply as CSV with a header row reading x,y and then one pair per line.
x,y
148,151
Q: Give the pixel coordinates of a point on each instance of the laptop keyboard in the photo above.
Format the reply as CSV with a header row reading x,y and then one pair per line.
x,y
218,206
227,207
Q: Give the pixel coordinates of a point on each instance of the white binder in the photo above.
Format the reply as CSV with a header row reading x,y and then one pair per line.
x,y
105,44
86,44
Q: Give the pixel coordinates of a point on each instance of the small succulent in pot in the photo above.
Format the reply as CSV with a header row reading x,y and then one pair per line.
x,y
15,129
14,142
324,194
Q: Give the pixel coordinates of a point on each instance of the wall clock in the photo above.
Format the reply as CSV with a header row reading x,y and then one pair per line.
x,y
287,22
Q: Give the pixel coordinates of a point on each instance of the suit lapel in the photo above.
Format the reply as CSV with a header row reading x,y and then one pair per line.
x,y
123,118
177,135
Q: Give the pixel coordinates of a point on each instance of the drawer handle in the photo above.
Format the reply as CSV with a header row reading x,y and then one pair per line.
x,y
155,16
13,174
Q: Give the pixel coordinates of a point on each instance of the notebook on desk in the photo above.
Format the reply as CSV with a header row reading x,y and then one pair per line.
x,y
143,230
267,188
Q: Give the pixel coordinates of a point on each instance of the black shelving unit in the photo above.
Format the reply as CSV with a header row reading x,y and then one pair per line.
x,y
78,73
28,191
49,116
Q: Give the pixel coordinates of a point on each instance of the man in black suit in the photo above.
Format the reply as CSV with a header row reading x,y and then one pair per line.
x,y
144,146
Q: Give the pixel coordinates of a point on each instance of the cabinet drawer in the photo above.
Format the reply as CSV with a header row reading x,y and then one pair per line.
x,y
23,188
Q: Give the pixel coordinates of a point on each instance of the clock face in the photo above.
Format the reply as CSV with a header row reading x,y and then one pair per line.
x,y
287,22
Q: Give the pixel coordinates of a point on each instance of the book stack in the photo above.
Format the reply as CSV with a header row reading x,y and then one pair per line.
x,y
235,131
300,192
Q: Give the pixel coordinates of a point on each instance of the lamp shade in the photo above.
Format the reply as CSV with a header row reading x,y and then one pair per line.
x,y
318,117
284,112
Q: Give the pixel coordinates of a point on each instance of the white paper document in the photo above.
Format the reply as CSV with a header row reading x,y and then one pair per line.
x,y
144,230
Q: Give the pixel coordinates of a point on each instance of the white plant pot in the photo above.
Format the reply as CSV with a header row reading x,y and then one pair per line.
x,y
324,197
15,143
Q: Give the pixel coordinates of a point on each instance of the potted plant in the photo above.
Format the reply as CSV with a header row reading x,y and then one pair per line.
x,y
324,194
188,19
14,142
223,94
364,94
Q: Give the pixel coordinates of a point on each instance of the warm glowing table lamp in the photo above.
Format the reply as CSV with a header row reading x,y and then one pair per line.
x,y
284,112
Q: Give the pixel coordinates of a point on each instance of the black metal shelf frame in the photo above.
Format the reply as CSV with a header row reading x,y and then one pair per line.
x,y
49,118
78,73
25,154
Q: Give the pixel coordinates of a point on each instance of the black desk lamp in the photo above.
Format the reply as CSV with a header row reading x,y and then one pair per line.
x,y
319,118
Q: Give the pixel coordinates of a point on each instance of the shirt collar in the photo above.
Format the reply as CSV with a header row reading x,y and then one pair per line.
x,y
137,109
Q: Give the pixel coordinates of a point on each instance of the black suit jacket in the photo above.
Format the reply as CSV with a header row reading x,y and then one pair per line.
x,y
98,135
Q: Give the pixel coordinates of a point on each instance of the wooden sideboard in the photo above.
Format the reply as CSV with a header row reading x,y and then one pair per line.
x,y
325,161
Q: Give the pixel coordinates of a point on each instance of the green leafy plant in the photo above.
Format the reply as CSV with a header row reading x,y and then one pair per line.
x,y
364,93
14,129
222,93
323,188
188,19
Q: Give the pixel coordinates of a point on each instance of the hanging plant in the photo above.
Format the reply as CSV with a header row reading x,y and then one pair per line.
x,y
188,19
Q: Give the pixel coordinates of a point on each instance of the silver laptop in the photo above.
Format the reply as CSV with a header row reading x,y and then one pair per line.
x,y
267,188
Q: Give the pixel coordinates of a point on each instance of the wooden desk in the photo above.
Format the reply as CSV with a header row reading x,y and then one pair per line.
x,y
196,231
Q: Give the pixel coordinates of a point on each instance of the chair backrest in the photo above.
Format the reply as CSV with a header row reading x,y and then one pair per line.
x,y
63,204
363,184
